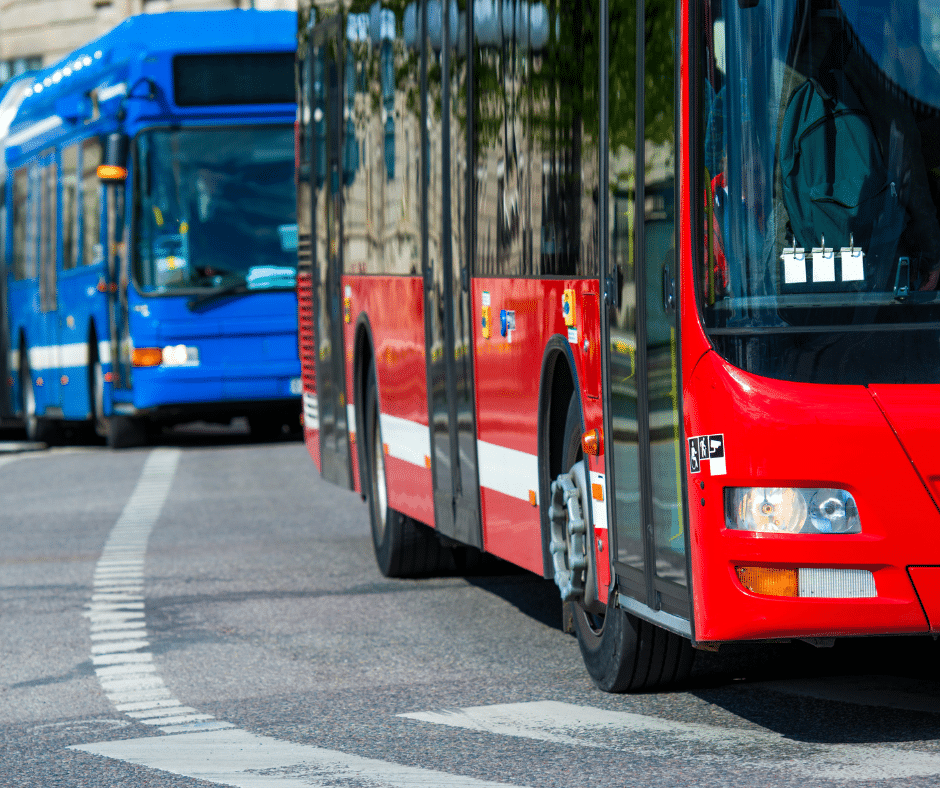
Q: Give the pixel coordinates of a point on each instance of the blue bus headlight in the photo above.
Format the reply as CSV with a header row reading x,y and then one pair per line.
x,y
180,356
789,510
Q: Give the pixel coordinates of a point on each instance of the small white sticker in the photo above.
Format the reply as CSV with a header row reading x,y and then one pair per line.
x,y
710,449
486,298
853,269
794,266
824,265
598,506
573,336
348,291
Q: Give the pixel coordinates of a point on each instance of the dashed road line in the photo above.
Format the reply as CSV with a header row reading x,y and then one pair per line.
x,y
201,746
120,650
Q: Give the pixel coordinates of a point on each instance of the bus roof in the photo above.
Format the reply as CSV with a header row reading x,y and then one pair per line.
x,y
93,81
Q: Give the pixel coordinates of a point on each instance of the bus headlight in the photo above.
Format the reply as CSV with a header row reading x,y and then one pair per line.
x,y
789,510
180,356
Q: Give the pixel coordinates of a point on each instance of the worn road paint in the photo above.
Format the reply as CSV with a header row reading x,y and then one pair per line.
x,y
641,735
241,759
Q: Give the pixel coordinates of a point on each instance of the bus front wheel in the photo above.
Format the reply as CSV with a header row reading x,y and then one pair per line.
x,y
621,652
126,432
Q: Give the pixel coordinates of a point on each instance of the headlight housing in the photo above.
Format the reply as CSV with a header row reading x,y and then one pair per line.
x,y
791,510
180,356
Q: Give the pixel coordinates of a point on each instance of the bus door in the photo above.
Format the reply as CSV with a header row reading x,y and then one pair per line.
x,y
326,51
446,261
645,458
118,281
47,343
6,400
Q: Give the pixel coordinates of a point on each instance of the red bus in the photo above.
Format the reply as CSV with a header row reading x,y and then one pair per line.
x,y
636,295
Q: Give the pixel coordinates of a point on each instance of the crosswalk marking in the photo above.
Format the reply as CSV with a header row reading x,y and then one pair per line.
x,y
642,735
241,759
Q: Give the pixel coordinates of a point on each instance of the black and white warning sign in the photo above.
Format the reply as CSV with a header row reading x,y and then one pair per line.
x,y
710,449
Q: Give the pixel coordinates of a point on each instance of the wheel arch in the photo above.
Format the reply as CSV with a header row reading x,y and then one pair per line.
x,y
558,381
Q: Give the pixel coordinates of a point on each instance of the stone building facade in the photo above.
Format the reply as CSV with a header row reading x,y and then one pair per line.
x,y
37,33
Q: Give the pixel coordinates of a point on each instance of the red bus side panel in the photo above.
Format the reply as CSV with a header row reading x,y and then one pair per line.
x,y
394,306
514,319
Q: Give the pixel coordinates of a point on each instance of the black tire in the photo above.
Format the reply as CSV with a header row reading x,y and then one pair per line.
x,y
403,546
96,392
126,432
264,427
38,428
621,652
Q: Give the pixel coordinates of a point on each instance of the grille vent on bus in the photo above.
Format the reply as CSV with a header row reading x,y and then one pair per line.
x,y
305,327
304,253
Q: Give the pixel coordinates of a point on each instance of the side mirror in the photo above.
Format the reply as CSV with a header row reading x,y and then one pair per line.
x,y
114,169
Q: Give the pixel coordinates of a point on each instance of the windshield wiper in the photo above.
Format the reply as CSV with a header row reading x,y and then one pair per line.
x,y
202,302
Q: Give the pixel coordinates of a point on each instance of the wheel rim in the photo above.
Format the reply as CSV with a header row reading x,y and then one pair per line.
x,y
590,625
378,482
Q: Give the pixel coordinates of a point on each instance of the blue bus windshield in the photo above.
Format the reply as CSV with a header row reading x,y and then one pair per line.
x,y
215,207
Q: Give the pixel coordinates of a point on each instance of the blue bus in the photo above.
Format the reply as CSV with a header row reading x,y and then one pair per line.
x,y
149,230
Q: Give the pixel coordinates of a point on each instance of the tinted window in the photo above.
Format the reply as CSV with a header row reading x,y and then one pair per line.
x,y
204,80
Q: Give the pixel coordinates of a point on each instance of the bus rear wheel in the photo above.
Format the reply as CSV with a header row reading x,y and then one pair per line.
x,y
38,428
403,546
621,652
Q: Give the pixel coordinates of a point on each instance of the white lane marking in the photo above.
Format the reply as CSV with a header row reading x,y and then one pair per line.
x,y
118,634
122,663
508,471
202,747
565,723
114,646
241,759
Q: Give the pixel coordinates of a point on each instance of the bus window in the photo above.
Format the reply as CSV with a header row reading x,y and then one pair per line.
x,y
69,207
20,196
91,203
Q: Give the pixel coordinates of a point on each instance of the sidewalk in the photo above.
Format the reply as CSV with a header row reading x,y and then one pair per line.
x,y
15,447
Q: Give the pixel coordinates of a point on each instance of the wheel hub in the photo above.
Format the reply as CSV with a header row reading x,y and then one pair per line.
x,y
569,536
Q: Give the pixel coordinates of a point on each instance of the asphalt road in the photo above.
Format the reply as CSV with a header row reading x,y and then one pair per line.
x,y
209,612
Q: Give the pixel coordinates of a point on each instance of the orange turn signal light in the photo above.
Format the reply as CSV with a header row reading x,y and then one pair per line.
x,y
147,357
111,173
592,442
769,582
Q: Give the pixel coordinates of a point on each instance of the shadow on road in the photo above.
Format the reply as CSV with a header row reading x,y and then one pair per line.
x,y
858,691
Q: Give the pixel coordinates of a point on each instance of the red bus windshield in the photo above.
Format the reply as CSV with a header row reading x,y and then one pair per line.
x,y
821,141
